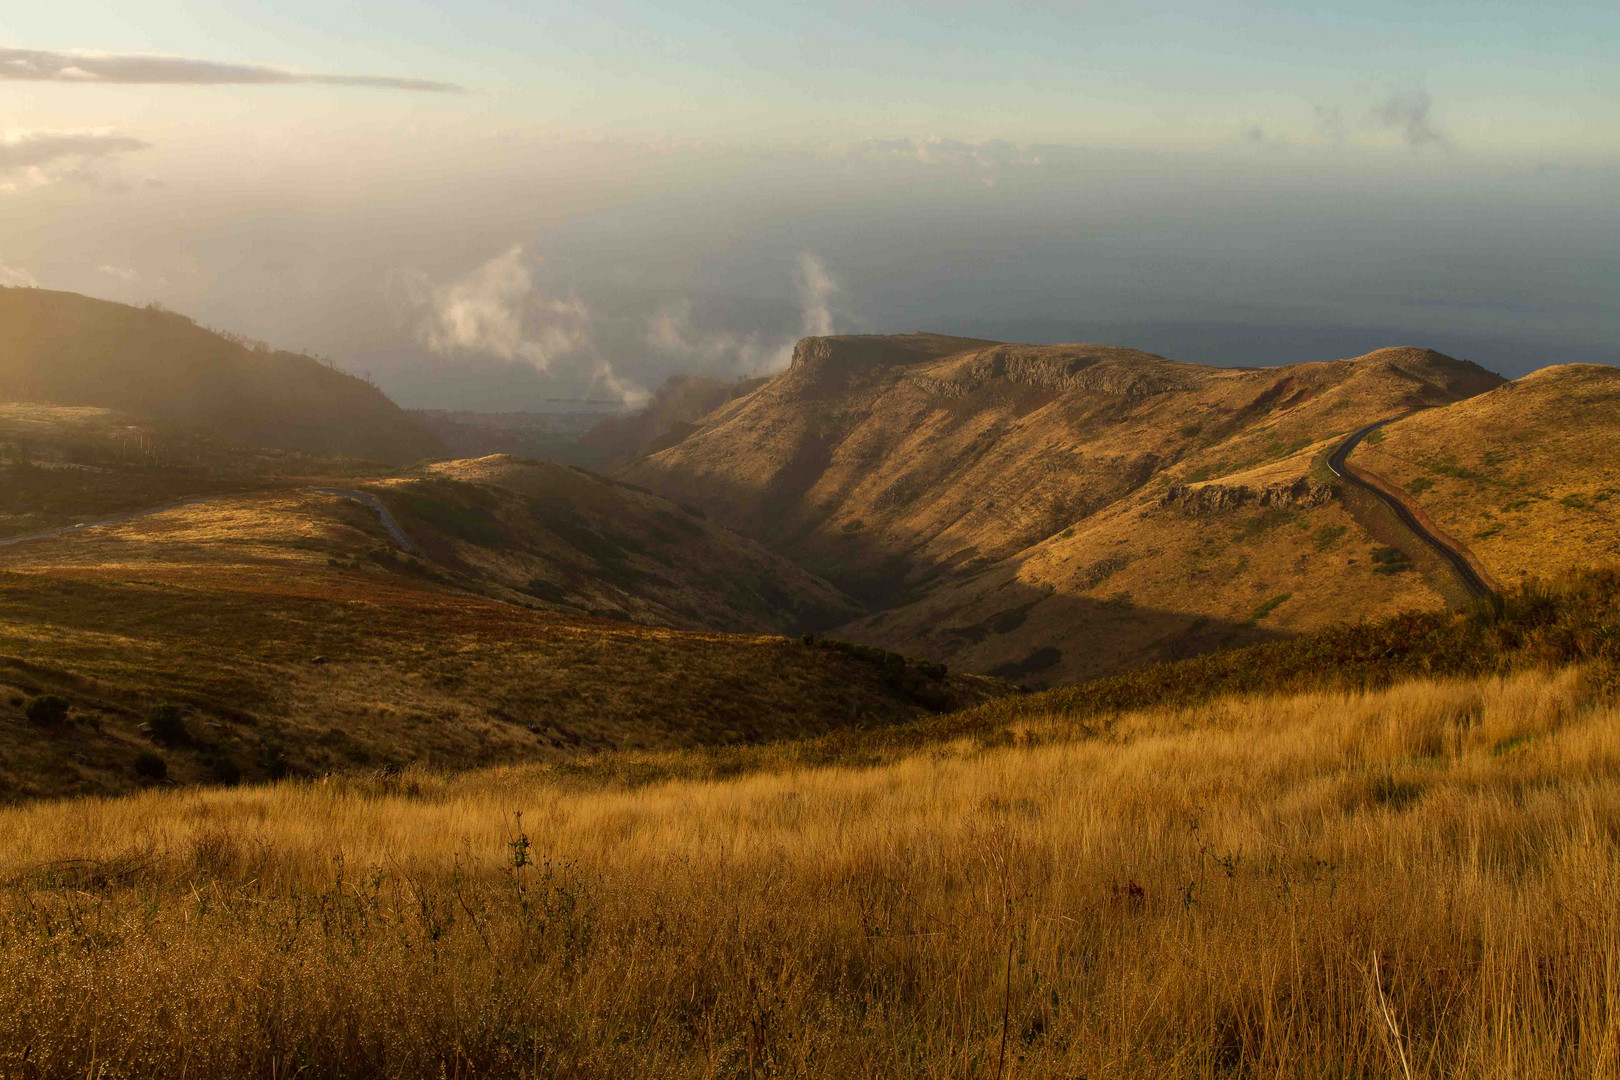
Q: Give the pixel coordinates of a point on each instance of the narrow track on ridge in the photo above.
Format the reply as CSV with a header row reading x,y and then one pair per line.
x,y
1337,464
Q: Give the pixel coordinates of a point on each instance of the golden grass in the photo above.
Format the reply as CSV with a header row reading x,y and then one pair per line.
x,y
1418,881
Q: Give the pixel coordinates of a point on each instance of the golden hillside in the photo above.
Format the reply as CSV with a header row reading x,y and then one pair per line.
x,y
65,349
1053,512
1324,884
539,533
286,633
1526,475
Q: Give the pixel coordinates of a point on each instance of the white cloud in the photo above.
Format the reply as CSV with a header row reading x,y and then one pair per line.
x,y
122,273
34,159
672,331
499,312
38,65
15,277
816,287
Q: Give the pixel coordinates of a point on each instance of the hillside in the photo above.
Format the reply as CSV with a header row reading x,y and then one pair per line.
x,y
1258,878
284,632
65,349
1525,475
1056,512
548,535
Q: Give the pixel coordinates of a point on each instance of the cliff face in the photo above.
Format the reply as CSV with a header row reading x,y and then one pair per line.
x,y
67,349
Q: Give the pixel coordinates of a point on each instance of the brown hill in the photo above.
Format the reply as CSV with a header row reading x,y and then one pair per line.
x,y
1042,510
550,535
1525,475
284,632
66,349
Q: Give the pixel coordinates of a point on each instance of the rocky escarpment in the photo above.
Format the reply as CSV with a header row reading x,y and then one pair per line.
x,y
1203,500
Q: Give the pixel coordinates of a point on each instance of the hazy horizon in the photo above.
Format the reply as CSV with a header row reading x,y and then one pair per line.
x,y
488,210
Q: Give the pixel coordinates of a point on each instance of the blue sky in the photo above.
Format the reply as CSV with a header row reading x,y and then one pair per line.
x,y
1037,170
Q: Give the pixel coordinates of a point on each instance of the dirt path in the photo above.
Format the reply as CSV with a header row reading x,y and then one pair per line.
x,y
1454,556
389,523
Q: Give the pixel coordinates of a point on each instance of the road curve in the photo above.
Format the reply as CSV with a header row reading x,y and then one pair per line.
x,y
398,534
1337,464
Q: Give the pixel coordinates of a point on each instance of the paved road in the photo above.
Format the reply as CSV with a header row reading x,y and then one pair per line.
x,y
1465,571
388,522
398,534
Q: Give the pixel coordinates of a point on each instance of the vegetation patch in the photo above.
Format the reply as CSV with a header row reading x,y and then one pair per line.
x,y
1390,560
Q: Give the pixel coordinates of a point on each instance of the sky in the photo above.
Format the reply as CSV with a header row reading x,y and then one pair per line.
x,y
491,205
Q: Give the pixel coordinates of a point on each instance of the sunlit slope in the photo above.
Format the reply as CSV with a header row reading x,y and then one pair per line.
x,y
559,537
882,463
1528,475
1058,512
67,349
290,635
1161,575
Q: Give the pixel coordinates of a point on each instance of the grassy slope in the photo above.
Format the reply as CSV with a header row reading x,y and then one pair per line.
x,y
1524,475
548,535
71,350
62,464
1320,885
221,608
1016,494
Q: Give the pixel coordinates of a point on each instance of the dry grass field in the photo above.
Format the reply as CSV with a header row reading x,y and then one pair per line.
x,y
1411,882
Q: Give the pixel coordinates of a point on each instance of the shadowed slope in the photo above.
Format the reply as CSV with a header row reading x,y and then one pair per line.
x,y
68,349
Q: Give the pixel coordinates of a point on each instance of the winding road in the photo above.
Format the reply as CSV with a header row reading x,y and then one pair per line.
x,y
398,534
1337,464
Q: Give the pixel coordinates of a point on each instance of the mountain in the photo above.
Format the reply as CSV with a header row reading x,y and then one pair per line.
x,y
1524,475
550,535
66,349
1058,511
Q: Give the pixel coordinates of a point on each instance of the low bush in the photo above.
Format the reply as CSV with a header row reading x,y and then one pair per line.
x,y
47,710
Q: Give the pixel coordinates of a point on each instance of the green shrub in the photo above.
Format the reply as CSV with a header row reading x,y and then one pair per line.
x,y
1269,606
1328,535
1388,560
148,766
1420,485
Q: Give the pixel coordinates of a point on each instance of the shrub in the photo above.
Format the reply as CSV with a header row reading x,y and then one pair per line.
x,y
47,710
1388,560
168,726
148,766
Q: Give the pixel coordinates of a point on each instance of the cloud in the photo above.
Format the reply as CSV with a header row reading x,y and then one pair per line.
x,y
23,149
673,332
33,159
79,66
1408,111
982,158
816,287
122,273
15,277
497,311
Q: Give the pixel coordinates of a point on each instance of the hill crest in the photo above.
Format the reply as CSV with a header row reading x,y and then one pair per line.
x,y
67,349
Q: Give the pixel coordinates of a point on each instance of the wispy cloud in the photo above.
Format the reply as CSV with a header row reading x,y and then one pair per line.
x,y
816,288
982,158
499,312
15,277
33,159
1409,111
673,332
81,66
